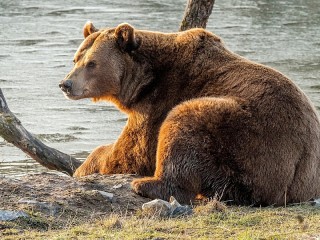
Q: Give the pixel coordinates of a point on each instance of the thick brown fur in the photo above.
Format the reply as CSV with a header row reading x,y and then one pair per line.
x,y
201,119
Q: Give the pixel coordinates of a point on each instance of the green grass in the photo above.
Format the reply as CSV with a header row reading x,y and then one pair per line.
x,y
295,222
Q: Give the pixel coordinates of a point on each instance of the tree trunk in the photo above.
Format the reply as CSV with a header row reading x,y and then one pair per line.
x,y
196,15
13,132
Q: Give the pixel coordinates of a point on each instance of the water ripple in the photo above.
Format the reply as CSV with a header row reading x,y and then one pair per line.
x,y
56,137
28,42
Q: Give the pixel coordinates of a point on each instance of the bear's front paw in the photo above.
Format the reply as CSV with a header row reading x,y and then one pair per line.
x,y
82,171
78,173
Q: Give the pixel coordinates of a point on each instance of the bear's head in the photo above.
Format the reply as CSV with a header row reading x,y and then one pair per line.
x,y
100,63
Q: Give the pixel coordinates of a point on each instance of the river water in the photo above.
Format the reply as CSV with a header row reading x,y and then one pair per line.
x,y
39,38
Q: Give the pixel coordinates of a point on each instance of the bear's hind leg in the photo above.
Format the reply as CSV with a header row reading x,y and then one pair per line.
x,y
192,151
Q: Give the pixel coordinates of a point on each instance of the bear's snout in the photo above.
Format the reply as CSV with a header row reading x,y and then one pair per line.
x,y
65,86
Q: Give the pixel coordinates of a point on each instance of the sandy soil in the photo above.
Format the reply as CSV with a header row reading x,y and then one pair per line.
x,y
55,201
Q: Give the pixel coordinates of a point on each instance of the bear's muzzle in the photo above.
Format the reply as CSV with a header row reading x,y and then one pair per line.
x,y
66,86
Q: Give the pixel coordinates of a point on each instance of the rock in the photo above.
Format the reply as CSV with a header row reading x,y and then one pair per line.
x,y
7,215
181,211
117,186
177,209
164,208
26,201
316,202
157,206
174,203
107,195
49,208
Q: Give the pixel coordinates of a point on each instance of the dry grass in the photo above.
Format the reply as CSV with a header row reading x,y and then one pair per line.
x,y
211,221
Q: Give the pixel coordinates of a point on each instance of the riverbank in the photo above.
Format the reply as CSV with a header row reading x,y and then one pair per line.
x,y
57,202
104,207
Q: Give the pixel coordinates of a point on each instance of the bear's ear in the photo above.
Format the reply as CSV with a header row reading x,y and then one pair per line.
x,y
126,38
88,29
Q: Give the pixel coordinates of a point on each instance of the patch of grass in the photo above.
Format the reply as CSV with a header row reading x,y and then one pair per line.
x,y
295,222
27,223
20,225
32,223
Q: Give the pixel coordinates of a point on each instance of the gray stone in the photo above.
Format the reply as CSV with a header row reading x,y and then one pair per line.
x,y
117,186
7,215
316,202
158,205
50,208
177,209
174,203
107,195
181,211
29,202
164,208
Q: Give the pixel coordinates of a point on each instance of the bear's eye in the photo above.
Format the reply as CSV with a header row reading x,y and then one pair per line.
x,y
91,64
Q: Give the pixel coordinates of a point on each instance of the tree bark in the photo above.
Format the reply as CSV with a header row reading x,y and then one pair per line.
x,y
13,132
196,14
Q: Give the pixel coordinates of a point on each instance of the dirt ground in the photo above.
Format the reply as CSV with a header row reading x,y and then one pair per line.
x,y
57,202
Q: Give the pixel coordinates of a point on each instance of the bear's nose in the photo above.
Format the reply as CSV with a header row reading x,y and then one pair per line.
x,y
65,85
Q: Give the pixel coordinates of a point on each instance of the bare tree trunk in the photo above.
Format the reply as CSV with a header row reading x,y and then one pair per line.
x,y
13,132
196,14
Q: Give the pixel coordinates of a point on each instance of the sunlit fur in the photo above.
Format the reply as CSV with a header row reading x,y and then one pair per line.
x,y
201,119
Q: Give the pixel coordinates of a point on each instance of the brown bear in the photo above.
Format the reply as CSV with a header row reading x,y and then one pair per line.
x,y
202,120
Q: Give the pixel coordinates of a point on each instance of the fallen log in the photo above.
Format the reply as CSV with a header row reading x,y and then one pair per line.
x,y
13,132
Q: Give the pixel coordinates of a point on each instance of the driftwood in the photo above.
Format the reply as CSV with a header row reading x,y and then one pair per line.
x,y
13,132
196,15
